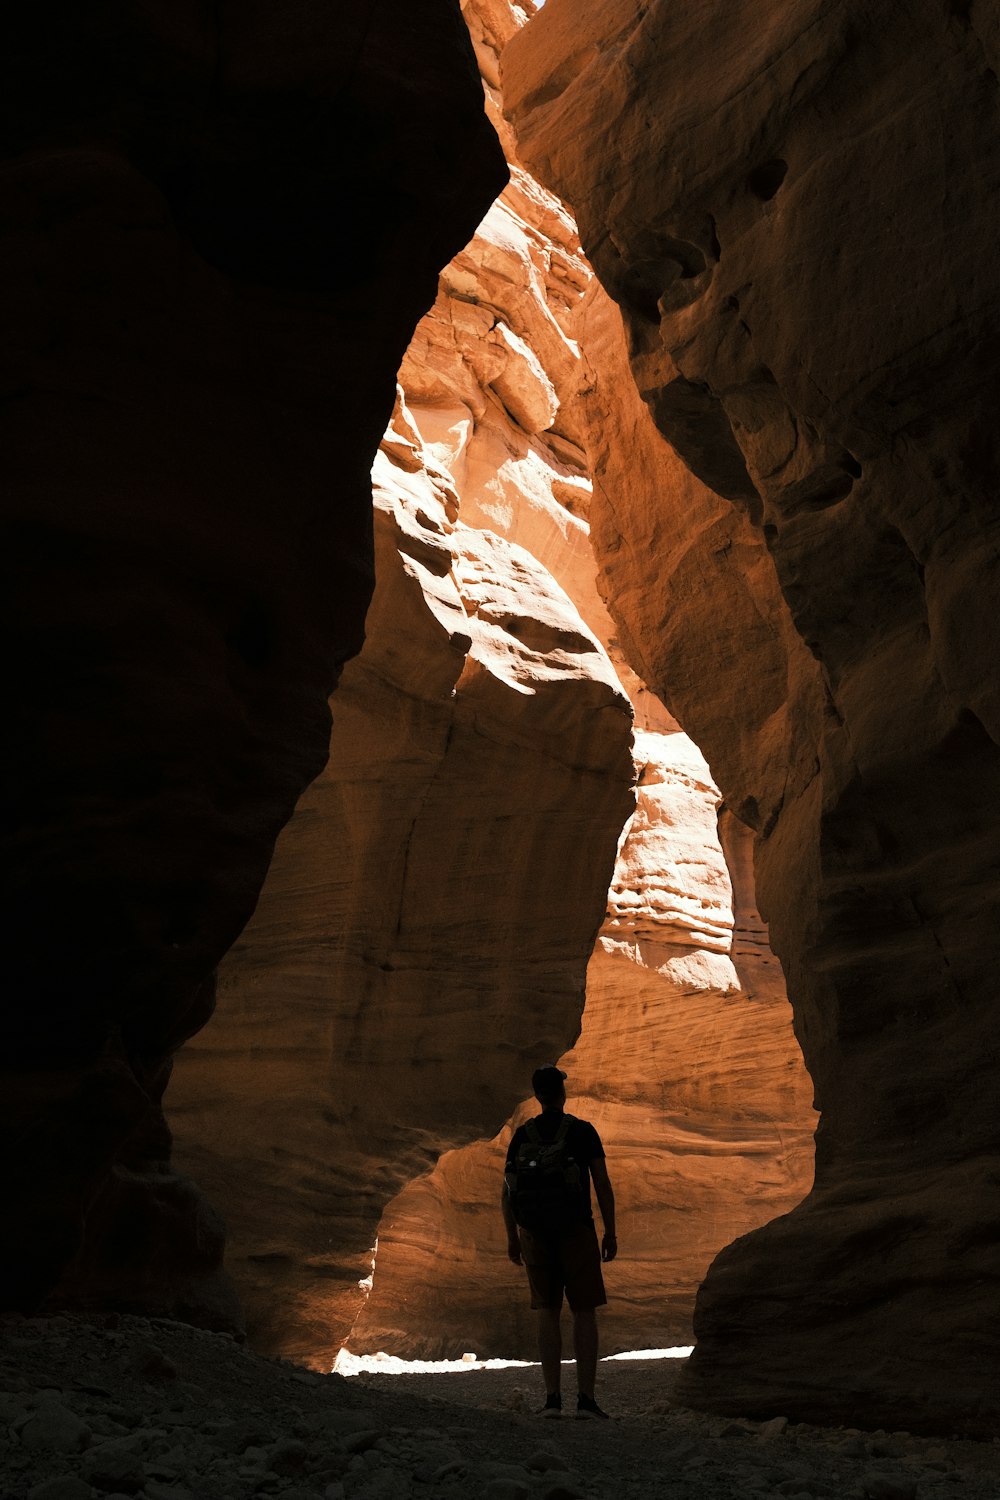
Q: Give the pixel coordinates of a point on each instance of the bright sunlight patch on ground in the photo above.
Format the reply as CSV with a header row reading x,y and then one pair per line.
x,y
680,1351
391,1364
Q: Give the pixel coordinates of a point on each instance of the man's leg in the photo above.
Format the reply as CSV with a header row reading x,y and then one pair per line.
x,y
549,1346
585,1349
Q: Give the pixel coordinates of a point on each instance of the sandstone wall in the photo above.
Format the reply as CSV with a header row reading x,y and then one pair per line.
x,y
423,937
794,213
687,1066
219,234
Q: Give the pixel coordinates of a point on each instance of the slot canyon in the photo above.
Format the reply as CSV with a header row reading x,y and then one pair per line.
x,y
500,567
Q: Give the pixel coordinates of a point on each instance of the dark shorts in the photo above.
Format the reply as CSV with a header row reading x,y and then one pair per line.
x,y
571,1263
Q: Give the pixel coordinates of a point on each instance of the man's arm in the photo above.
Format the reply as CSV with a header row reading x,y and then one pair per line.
x,y
606,1203
510,1224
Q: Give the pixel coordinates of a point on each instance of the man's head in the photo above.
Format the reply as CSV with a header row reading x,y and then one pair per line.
x,y
549,1085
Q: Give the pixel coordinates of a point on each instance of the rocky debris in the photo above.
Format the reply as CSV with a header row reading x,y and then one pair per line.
x,y
54,1429
795,486
67,1487
235,1426
151,1364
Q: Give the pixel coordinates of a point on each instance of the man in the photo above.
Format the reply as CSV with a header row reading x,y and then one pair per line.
x,y
565,1257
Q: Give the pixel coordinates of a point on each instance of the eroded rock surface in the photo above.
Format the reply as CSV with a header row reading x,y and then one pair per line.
x,y
796,221
423,934
688,1069
219,234
425,931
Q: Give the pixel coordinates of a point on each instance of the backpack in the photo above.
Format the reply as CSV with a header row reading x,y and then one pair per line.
x,y
544,1183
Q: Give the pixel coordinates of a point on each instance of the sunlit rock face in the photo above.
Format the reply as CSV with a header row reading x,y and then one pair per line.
x,y
220,233
796,221
690,1073
423,938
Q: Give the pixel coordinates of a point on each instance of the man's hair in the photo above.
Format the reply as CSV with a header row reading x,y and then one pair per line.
x,y
547,1082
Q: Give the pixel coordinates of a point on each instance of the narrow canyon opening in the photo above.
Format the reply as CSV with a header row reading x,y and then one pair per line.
x,y
446,908
687,1066
639,545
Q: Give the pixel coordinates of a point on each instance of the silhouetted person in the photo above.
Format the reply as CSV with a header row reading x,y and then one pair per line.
x,y
551,1162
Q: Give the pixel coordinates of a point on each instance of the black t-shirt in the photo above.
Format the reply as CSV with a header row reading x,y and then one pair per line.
x,y
582,1142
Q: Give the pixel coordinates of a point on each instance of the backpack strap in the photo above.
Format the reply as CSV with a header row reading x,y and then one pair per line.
x,y
534,1134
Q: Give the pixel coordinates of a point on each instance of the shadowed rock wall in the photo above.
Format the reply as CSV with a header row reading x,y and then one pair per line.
x,y
796,220
220,229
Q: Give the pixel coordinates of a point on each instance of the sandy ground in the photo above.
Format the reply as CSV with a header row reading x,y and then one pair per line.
x,y
125,1407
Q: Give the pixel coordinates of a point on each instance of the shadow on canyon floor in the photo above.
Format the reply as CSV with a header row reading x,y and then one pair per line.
x,y
125,1406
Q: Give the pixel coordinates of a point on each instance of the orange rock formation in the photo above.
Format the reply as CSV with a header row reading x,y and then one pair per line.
x,y
221,233
791,209
426,926
422,938
687,1066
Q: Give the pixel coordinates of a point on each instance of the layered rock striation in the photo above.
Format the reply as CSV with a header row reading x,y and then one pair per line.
x,y
220,232
423,938
687,1066
794,500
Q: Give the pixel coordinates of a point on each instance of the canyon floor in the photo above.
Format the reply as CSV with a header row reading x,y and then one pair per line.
x,y
159,1411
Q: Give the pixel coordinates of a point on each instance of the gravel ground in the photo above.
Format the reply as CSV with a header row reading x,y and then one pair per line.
x,y
119,1407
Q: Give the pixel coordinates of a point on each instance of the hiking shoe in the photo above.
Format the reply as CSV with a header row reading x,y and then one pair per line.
x,y
553,1405
587,1408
